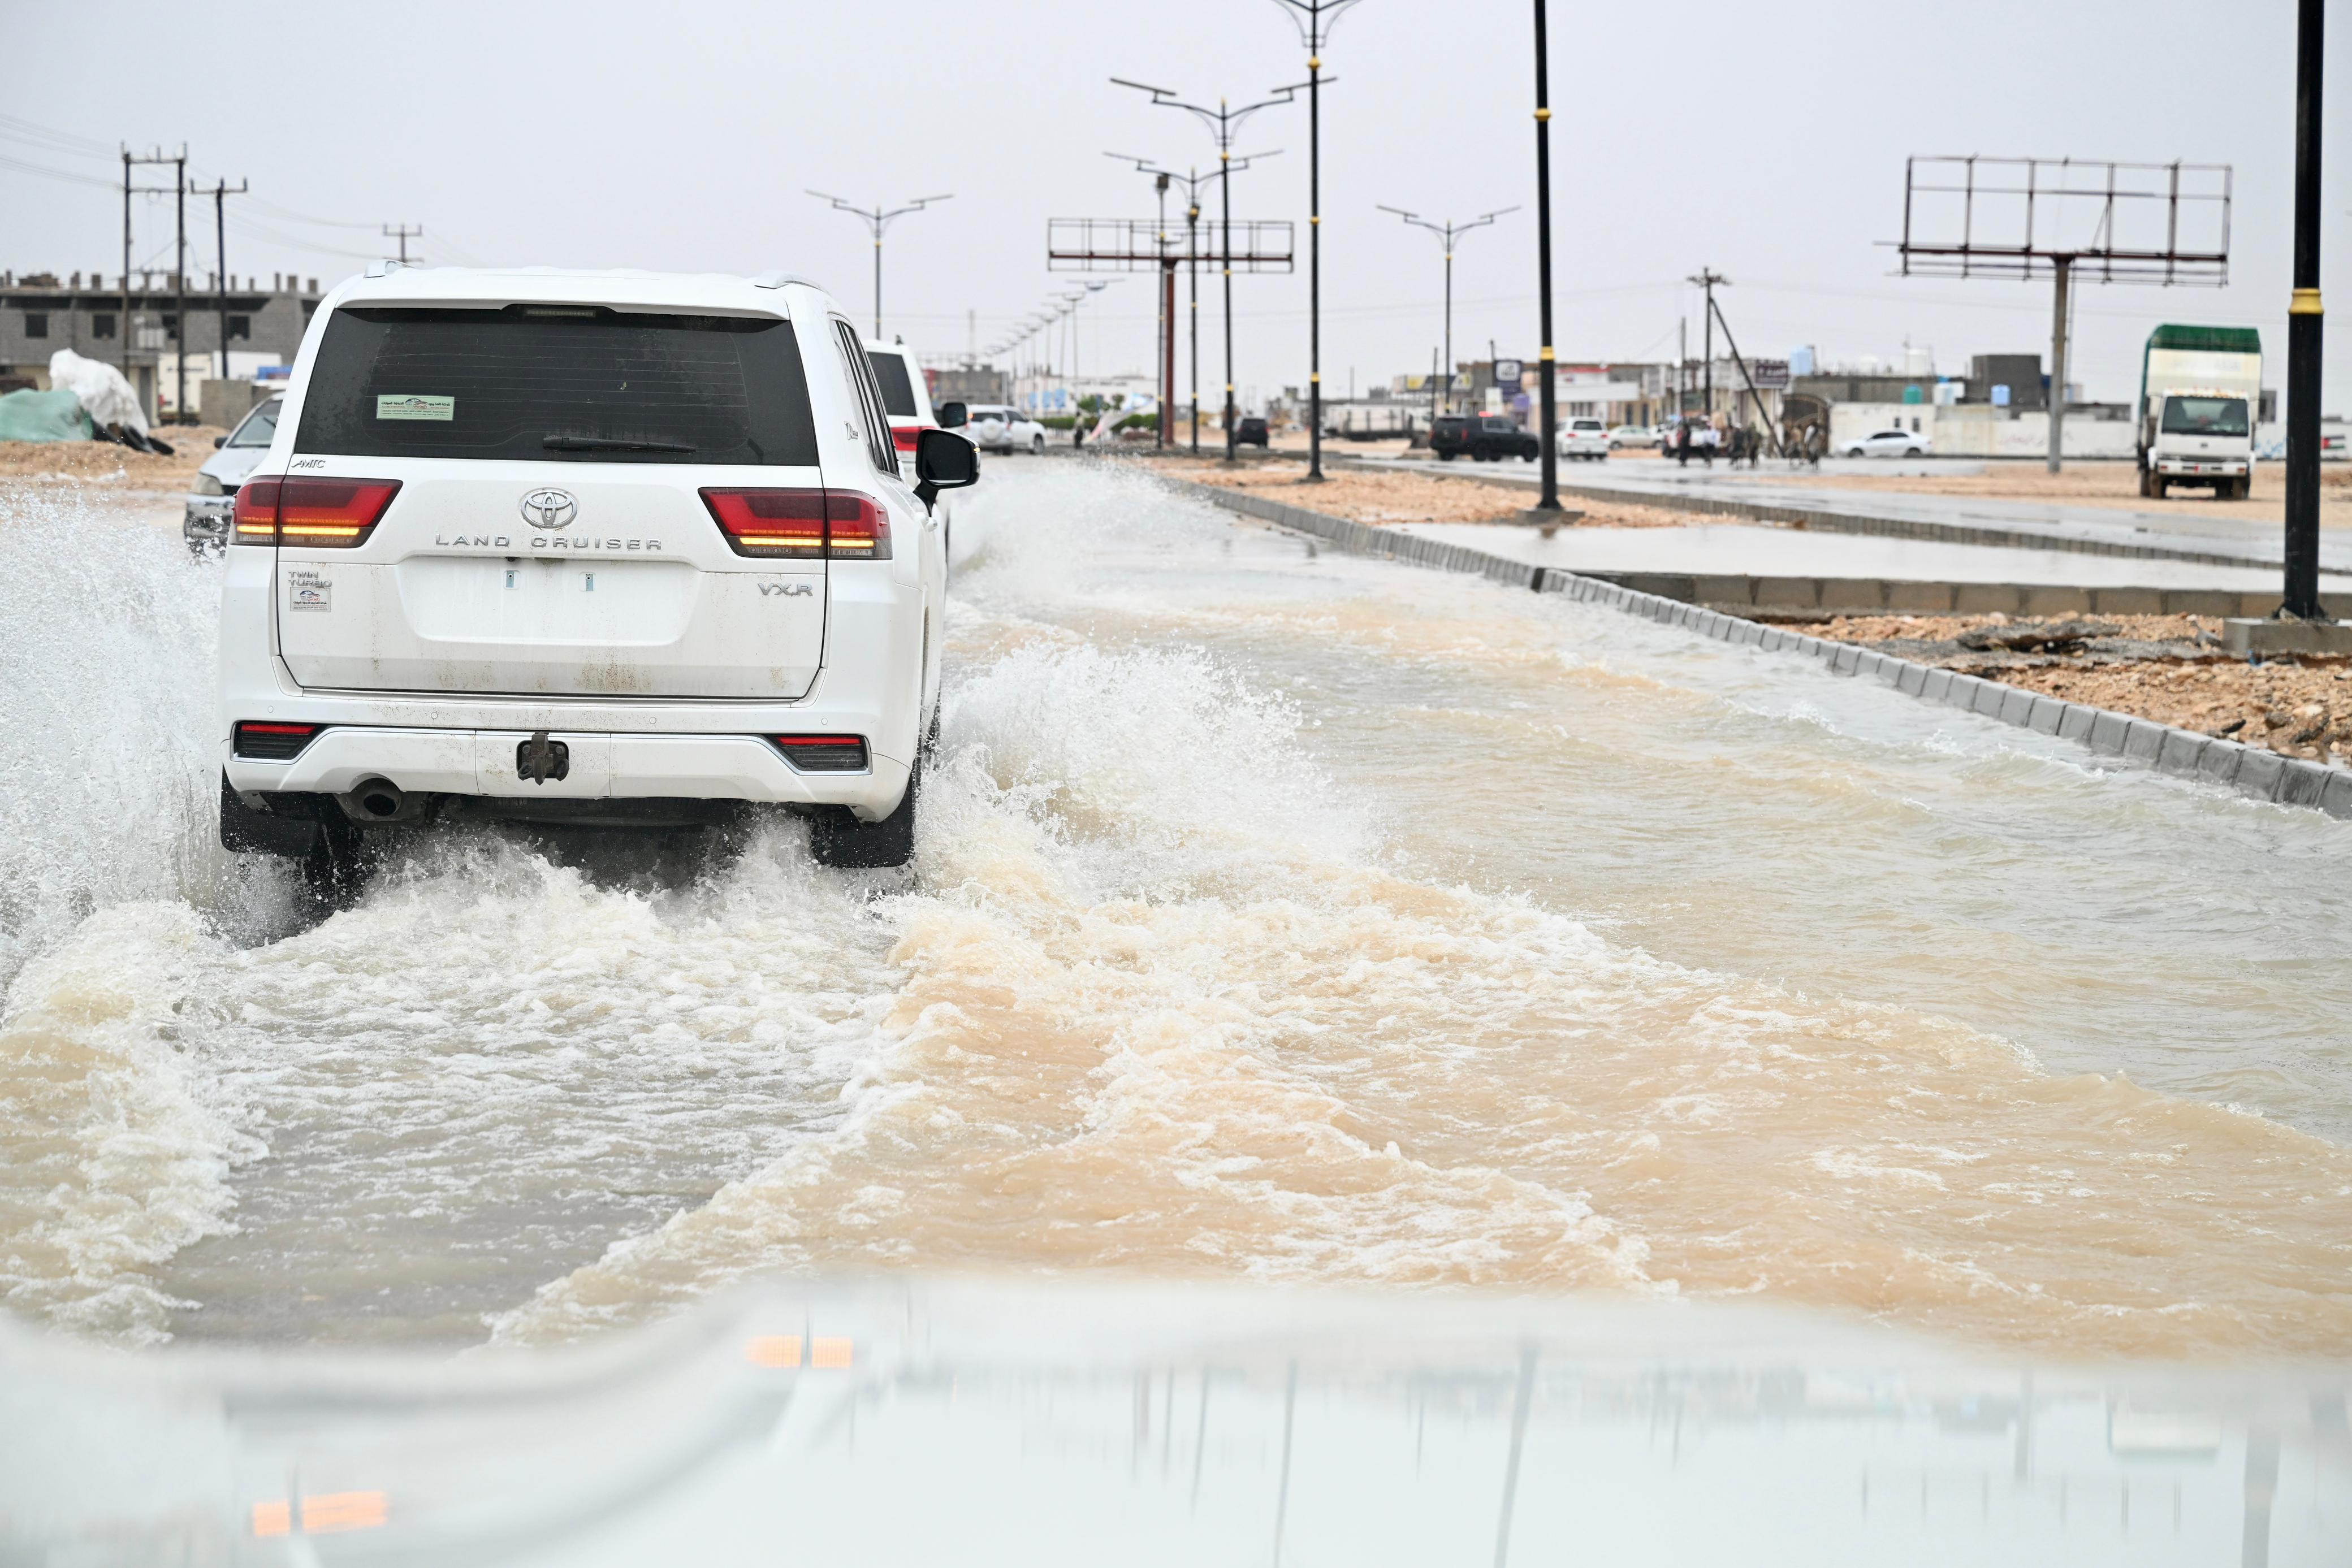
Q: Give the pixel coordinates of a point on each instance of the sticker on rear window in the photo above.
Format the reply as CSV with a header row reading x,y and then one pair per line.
x,y
414,406
308,587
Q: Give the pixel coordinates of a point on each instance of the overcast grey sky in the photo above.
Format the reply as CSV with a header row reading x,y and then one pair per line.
x,y
1766,142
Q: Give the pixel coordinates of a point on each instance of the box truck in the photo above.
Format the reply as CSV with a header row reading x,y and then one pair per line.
x,y
2201,389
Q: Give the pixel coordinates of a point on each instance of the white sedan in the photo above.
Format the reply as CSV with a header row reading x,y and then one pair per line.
x,y
1893,442
1633,436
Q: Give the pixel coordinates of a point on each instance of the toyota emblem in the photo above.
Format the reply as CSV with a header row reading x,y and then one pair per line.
x,y
549,509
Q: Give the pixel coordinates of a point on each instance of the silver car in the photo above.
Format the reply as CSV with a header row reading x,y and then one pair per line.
x,y
206,524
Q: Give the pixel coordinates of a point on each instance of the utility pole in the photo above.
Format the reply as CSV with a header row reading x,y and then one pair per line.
x,y
1316,18
1447,233
1706,278
220,192
404,233
1682,367
130,161
180,287
1223,123
1165,297
1545,359
2304,321
1192,268
878,219
2061,269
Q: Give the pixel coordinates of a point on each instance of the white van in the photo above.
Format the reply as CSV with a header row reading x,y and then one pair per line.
x,y
612,549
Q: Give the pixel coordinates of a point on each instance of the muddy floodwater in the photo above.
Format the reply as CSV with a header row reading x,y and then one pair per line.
x,y
1276,916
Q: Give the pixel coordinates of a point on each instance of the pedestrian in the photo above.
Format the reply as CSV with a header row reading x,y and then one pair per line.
x,y
1682,443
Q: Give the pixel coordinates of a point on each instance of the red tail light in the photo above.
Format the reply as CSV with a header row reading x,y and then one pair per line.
x,y
802,524
256,513
856,527
261,742
788,523
319,514
904,436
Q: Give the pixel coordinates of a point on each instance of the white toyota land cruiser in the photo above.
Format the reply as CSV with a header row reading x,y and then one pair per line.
x,y
616,550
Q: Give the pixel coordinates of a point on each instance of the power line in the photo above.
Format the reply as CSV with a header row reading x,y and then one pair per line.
x,y
17,129
24,168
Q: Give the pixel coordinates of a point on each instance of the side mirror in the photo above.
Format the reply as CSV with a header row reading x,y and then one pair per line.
x,y
953,415
220,441
943,461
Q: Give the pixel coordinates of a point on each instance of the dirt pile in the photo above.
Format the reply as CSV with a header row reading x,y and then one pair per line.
x,y
104,462
1380,499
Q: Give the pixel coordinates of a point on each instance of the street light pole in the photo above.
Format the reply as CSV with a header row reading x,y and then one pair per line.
x,y
877,220
1448,233
2304,321
1315,19
1544,361
1223,123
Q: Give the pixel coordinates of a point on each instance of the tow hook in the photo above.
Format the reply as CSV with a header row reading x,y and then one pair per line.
x,y
540,759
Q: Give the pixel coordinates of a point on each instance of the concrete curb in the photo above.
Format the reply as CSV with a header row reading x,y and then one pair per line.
x,y
1815,596
1838,521
2250,771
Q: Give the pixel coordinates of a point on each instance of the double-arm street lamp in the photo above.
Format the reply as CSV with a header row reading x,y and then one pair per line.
x,y
1315,18
877,220
1447,234
1192,180
1223,123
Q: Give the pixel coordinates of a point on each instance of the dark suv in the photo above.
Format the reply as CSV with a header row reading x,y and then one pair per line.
x,y
1486,438
1249,433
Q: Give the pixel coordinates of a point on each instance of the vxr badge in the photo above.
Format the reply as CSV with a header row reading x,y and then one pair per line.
x,y
549,509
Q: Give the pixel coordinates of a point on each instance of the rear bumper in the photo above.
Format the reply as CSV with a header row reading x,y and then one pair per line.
x,y
603,765
464,744
2210,468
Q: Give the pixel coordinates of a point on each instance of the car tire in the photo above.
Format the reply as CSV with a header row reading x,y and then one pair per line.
x,y
1913,452
1445,457
244,831
838,840
1036,446
2156,486
1855,452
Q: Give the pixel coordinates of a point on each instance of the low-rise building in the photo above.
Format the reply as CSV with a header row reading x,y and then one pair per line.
x,y
41,313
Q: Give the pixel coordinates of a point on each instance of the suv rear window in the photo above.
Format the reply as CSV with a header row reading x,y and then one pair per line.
x,y
602,386
897,387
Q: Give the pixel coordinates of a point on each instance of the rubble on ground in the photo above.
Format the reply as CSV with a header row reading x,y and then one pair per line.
x,y
2170,668
1385,499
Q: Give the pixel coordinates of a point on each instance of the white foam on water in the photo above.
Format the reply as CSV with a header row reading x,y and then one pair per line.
x,y
109,762
115,1143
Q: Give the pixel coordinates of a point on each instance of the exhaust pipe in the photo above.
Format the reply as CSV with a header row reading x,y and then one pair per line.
x,y
375,801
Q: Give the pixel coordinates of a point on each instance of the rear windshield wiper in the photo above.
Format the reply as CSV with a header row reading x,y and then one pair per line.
x,y
608,444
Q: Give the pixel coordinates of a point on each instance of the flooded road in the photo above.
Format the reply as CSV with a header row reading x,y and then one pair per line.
x,y
1276,916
